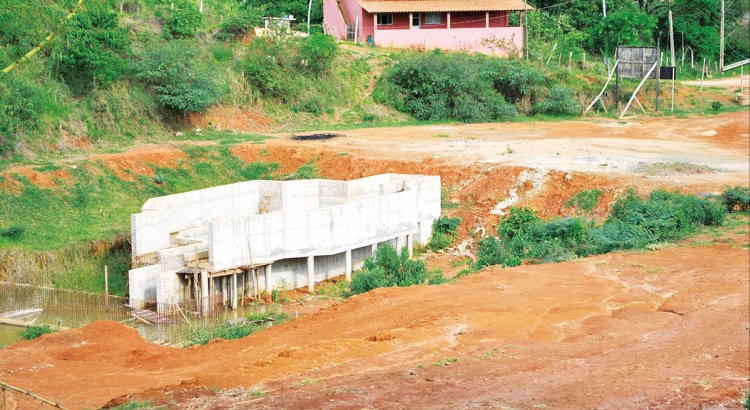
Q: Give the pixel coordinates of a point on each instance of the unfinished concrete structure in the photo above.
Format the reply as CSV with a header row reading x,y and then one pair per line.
x,y
216,244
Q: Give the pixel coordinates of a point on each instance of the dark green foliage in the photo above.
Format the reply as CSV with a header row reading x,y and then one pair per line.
x,y
633,223
34,332
585,200
183,20
388,268
13,232
466,87
736,198
260,170
319,51
443,232
517,221
180,77
92,55
560,102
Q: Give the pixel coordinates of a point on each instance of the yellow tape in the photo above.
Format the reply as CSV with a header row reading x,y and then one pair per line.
x,y
42,44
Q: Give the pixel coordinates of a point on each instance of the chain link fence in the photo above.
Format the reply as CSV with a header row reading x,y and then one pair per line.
x,y
163,323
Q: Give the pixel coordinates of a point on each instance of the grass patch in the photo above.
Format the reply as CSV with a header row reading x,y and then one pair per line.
x,y
202,334
307,382
672,168
138,405
34,332
444,362
389,268
334,290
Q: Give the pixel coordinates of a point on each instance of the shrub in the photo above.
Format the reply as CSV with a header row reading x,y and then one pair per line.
x,y
183,20
559,102
516,221
182,80
438,86
443,232
633,223
319,51
736,198
33,332
388,268
584,200
14,232
244,19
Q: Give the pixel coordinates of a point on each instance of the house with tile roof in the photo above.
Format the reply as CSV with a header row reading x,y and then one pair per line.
x,y
471,25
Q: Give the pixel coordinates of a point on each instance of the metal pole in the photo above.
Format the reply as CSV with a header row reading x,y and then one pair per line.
x,y
309,7
604,8
526,28
721,40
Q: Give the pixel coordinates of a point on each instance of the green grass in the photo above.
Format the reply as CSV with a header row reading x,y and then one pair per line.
x,y
307,382
444,362
138,405
34,332
584,200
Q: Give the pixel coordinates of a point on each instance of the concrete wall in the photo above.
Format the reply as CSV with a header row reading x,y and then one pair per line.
x,y
320,218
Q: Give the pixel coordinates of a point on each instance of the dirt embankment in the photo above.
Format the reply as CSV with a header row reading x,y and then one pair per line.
x,y
666,329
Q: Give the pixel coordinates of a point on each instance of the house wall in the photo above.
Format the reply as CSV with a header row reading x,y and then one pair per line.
x,y
332,15
453,39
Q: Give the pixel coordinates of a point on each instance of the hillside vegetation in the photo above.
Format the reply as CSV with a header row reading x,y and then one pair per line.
x,y
118,72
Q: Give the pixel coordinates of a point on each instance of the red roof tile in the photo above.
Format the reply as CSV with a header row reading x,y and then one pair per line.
x,y
406,6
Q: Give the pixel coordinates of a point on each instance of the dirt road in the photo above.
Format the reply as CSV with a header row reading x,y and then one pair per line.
x,y
664,329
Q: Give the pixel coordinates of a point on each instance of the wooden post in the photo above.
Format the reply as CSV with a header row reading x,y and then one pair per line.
x,y
703,71
106,282
551,53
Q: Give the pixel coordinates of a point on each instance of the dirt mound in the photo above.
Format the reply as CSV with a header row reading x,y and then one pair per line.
x,y
230,118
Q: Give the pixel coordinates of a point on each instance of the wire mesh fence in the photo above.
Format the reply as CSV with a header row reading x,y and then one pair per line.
x,y
165,323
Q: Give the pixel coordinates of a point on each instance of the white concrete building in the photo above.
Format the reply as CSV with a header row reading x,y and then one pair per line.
x,y
218,244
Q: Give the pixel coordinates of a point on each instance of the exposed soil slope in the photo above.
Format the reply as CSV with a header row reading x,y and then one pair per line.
x,y
666,329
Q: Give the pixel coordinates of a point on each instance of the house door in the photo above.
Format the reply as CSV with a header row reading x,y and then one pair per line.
x,y
416,20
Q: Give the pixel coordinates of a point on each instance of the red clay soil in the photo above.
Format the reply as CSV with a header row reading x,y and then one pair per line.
x,y
665,329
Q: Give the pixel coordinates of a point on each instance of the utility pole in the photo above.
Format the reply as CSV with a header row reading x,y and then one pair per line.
x,y
721,41
604,7
309,7
526,29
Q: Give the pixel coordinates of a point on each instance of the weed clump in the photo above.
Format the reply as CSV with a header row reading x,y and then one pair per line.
x,y
203,334
33,332
443,232
14,232
389,268
736,198
585,200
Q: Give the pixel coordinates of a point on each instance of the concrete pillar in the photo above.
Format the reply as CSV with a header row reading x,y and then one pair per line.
x,y
224,298
268,283
487,19
374,248
449,20
205,297
410,244
310,274
399,244
348,264
233,292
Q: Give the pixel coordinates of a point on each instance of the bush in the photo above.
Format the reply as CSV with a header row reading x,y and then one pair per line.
x,y
560,102
633,223
183,20
438,86
33,332
182,80
736,198
584,200
388,268
443,232
319,51
516,221
14,232
240,22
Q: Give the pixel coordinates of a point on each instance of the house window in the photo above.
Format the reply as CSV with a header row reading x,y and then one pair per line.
x,y
433,18
416,20
385,18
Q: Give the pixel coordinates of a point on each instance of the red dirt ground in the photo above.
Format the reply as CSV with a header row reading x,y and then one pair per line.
x,y
664,329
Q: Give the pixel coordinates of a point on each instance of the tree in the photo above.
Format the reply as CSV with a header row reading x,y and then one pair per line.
x,y
181,79
92,54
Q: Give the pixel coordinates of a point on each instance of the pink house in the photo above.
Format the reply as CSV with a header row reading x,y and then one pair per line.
x,y
472,25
